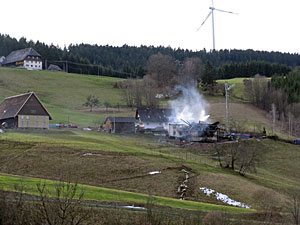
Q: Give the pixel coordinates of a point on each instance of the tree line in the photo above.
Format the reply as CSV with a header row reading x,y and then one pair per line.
x,y
131,61
280,96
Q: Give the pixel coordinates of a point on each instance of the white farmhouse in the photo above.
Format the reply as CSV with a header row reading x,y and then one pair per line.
x,y
25,58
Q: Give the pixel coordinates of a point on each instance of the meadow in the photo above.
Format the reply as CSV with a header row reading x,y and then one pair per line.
x,y
115,168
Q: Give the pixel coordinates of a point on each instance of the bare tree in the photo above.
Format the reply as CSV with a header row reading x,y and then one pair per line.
x,y
149,93
162,69
65,209
294,207
243,155
91,102
191,71
107,105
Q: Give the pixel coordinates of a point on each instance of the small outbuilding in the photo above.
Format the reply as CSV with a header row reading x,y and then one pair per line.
x,y
120,124
53,67
24,111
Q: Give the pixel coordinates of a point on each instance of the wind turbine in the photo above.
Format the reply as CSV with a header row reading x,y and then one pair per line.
x,y
212,8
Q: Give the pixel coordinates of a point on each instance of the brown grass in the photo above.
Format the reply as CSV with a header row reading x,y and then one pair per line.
x,y
107,169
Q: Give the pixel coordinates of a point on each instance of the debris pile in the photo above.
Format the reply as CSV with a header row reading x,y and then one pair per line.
x,y
181,190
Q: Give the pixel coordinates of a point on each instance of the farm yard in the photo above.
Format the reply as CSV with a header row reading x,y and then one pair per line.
x,y
130,169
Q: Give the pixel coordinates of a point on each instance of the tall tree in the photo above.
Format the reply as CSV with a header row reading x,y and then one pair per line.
x,y
209,74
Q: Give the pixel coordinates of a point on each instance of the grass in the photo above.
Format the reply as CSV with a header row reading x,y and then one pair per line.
x,y
8,182
61,93
122,162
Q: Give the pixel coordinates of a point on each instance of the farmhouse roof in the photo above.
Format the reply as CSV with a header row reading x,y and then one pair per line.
x,y
11,106
153,115
121,119
20,55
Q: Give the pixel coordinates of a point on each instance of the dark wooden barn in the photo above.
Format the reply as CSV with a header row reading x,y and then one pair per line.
x,y
120,124
24,111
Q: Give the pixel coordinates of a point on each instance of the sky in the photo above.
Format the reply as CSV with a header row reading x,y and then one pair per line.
x,y
266,25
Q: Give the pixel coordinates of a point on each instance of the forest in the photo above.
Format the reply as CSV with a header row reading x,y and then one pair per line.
x,y
131,61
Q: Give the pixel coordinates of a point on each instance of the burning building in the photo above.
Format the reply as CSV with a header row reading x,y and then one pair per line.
x,y
201,131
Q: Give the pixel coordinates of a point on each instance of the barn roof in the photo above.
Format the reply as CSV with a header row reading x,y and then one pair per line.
x,y
11,106
121,119
153,115
20,55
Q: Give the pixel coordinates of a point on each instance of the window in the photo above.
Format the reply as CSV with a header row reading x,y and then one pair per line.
x,y
37,117
27,117
22,117
33,111
27,123
44,124
22,123
37,123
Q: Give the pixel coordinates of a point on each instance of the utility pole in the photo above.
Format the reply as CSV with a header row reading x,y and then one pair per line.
x,y
274,118
66,66
227,105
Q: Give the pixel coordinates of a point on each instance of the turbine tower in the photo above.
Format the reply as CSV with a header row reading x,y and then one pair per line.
x,y
211,13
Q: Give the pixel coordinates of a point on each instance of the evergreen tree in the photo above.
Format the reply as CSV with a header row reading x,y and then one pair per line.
x,y
209,74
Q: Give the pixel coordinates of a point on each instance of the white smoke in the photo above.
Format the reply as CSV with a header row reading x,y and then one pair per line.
x,y
190,106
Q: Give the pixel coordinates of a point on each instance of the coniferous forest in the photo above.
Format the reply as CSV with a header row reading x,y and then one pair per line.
x,y
131,61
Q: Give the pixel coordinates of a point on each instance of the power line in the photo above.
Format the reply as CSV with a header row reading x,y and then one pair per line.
x,y
90,65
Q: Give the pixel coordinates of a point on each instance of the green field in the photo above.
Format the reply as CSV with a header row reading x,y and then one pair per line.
x,y
63,94
122,162
115,168
8,182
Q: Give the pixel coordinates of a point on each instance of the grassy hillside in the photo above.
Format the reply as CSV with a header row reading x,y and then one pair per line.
x,y
62,93
123,162
116,167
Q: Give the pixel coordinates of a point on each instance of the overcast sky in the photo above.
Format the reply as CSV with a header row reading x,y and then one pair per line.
x,y
271,25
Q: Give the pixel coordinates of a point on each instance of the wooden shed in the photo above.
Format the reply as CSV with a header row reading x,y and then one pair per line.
x,y
120,124
24,111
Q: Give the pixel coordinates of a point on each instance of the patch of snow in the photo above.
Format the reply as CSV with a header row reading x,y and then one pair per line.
x,y
1,131
159,95
224,198
87,128
91,154
154,172
207,191
133,207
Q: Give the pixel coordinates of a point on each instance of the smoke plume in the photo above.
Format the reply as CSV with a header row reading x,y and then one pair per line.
x,y
190,106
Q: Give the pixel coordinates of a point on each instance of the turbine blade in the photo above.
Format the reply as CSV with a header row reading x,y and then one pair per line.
x,y
220,10
212,1
204,20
